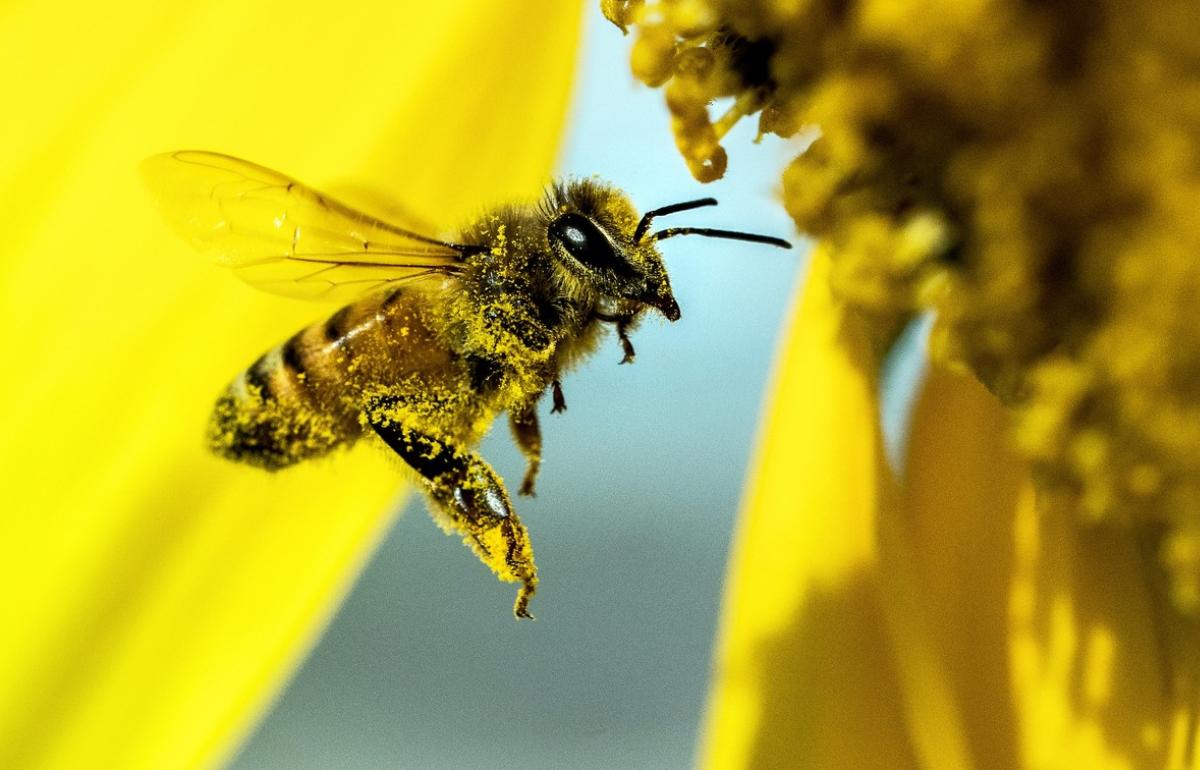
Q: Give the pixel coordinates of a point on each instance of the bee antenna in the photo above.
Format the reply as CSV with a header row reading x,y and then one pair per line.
x,y
674,208
732,235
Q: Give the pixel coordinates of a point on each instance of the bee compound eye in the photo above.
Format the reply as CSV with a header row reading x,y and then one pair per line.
x,y
583,240
578,235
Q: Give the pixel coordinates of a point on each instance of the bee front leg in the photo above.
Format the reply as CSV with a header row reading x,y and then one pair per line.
x,y
527,435
469,499
626,344
623,323
560,401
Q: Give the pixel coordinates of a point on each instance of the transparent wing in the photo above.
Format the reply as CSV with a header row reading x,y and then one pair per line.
x,y
285,238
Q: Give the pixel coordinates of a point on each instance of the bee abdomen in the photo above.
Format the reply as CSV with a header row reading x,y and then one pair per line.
x,y
268,416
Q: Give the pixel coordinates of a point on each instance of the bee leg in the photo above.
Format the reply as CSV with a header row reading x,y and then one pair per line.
x,y
560,403
626,345
470,499
623,322
527,435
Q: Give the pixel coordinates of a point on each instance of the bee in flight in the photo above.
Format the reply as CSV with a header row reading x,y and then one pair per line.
x,y
436,336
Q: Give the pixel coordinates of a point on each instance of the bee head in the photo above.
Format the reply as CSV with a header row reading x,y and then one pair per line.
x,y
598,239
589,229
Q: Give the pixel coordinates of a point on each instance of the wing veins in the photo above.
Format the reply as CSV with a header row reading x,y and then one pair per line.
x,y
331,285
315,259
267,227
324,201
351,263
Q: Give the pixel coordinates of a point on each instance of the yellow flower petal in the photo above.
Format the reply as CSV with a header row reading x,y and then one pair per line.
x,y
804,674
961,487
157,597
1104,668
1058,635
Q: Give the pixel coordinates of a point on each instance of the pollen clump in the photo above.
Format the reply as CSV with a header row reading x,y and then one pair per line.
x,y
254,428
1029,171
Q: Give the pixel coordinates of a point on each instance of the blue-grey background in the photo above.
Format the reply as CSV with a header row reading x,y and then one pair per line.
x,y
424,665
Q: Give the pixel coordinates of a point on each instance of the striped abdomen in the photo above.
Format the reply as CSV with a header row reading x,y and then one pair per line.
x,y
302,398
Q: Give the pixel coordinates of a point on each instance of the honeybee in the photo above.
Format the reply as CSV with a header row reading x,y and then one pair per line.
x,y
436,336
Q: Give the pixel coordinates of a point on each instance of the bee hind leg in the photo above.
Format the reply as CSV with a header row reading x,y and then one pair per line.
x,y
527,435
470,499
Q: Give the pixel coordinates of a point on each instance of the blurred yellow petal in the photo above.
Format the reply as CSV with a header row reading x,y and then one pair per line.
x,y
805,673
1059,638
947,622
961,487
157,597
1104,670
